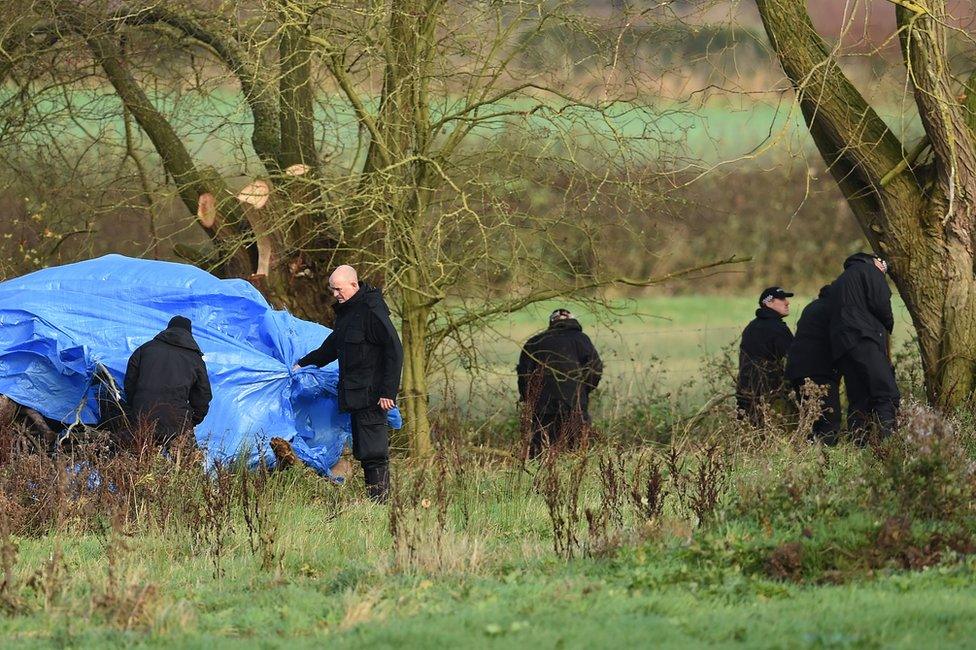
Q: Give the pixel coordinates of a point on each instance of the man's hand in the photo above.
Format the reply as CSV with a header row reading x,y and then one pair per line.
x,y
386,403
296,367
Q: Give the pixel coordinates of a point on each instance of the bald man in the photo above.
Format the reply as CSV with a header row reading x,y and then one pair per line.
x,y
370,361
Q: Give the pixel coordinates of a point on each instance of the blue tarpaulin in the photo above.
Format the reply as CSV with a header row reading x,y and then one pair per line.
x,y
59,324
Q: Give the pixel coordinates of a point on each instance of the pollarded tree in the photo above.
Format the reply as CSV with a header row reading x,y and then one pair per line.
x,y
917,210
266,56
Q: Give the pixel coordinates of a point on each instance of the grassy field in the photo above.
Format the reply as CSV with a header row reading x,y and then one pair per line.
x,y
727,537
465,557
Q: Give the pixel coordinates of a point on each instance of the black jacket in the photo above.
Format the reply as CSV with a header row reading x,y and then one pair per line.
x,y
860,305
765,342
566,366
367,347
166,381
809,356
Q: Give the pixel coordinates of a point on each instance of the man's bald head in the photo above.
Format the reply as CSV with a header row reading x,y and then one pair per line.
x,y
344,273
344,283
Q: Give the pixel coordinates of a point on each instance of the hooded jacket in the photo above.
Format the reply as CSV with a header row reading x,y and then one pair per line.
x,y
809,355
166,382
367,347
765,342
566,365
860,305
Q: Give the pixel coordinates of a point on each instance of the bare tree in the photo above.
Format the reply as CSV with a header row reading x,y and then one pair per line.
x,y
916,205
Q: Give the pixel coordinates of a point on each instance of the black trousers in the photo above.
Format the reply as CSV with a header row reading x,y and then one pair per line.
x,y
370,437
827,427
872,393
162,427
562,429
750,404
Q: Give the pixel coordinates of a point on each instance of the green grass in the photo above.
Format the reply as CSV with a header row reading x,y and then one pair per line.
x,y
489,578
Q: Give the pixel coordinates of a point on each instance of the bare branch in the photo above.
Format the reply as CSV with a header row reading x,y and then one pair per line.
x,y
517,304
922,37
256,83
855,142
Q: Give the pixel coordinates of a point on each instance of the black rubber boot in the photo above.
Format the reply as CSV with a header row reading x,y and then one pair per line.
x,y
377,482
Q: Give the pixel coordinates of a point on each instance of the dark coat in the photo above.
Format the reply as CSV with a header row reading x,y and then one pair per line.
x,y
367,347
765,342
566,365
809,356
860,306
166,382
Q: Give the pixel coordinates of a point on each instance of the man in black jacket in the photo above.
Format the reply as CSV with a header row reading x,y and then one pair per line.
x,y
166,384
809,359
765,342
860,324
557,370
370,361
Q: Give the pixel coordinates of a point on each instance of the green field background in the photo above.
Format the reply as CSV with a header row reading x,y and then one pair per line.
x,y
216,126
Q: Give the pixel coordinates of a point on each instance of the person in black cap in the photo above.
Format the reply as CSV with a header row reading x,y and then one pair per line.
x,y
860,323
166,384
809,358
765,342
557,370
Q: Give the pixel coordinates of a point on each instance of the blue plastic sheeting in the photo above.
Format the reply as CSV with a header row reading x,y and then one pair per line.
x,y
57,325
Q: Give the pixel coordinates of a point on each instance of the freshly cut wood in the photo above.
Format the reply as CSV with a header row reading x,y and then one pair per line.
x,y
207,210
255,193
255,196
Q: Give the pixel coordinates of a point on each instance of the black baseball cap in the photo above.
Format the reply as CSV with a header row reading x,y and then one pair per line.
x,y
560,314
773,292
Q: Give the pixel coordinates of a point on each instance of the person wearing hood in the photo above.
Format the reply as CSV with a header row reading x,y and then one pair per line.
x,y
166,384
370,357
809,358
765,342
557,370
860,323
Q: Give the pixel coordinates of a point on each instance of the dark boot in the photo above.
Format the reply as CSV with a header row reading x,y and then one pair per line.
x,y
377,482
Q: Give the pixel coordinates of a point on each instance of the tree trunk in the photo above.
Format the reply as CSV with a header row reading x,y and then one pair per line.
x,y
414,404
389,224
941,297
921,217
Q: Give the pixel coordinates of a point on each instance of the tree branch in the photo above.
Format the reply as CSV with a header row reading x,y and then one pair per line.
x,y
507,307
916,9
333,62
191,183
25,42
922,37
256,85
969,102
296,95
854,141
